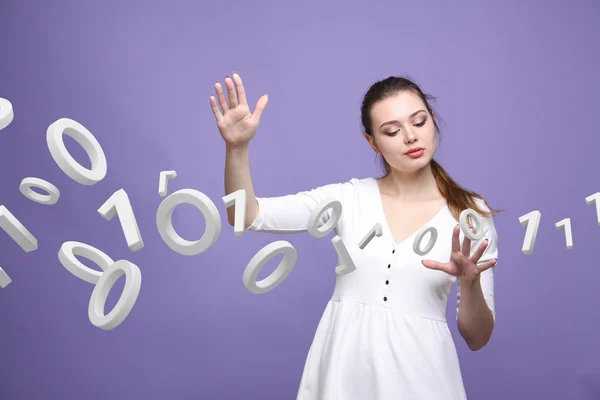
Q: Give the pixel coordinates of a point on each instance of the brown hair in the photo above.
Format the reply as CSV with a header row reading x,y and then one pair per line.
x,y
458,198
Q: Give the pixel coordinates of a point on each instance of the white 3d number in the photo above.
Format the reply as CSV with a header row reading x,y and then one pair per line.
x,y
477,222
69,250
376,230
6,113
532,222
19,234
237,199
568,234
127,300
163,181
66,162
164,222
316,213
346,263
103,281
257,263
593,198
119,204
419,238
47,199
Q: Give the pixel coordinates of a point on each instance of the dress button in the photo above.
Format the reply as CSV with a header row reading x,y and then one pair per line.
x,y
385,299
389,265
393,251
387,282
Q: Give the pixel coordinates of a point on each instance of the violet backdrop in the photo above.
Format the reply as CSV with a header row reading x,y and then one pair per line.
x,y
516,85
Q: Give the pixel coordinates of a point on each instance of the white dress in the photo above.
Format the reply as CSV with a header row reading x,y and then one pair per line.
x,y
383,334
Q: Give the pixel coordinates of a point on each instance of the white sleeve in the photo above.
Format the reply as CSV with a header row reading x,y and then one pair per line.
x,y
290,213
490,253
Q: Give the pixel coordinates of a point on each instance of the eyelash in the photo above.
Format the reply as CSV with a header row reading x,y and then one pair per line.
x,y
417,125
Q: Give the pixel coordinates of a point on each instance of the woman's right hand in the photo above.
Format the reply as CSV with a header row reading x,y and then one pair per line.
x,y
236,124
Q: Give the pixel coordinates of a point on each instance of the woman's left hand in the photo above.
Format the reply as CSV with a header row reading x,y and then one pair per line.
x,y
462,264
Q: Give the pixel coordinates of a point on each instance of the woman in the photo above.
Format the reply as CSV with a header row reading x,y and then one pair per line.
x,y
383,335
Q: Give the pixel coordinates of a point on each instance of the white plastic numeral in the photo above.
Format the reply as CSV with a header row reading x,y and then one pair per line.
x,y
316,213
6,113
237,199
257,263
593,198
119,204
532,222
47,199
164,222
568,234
346,263
66,162
374,231
133,283
419,238
163,181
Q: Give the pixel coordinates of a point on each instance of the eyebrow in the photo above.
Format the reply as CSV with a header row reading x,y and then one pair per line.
x,y
392,121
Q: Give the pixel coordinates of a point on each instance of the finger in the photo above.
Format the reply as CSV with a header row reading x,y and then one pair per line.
x,y
261,104
435,265
456,238
466,249
240,89
479,252
487,265
233,102
222,99
215,108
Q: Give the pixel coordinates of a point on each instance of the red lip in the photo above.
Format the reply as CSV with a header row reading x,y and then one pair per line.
x,y
414,150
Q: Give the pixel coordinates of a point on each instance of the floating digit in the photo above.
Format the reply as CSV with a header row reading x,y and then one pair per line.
x,y
133,283
238,200
67,258
316,213
566,223
532,221
47,199
118,204
17,231
163,181
4,279
257,263
477,222
19,234
432,239
374,231
6,113
593,198
346,263
66,162
164,222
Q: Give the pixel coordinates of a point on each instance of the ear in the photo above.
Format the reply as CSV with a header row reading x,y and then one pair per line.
x,y
369,139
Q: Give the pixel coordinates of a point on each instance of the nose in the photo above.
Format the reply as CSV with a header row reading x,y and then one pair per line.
x,y
409,135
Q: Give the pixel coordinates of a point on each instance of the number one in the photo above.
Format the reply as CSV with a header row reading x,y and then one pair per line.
x,y
532,222
19,234
119,204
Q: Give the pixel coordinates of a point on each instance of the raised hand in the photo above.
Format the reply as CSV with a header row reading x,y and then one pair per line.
x,y
462,264
236,124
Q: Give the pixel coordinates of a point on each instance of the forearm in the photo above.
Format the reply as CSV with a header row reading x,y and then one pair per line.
x,y
475,319
237,176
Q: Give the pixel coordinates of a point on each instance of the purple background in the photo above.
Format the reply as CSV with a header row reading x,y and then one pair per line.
x,y
517,87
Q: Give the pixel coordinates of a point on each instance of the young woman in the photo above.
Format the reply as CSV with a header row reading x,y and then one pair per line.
x,y
383,334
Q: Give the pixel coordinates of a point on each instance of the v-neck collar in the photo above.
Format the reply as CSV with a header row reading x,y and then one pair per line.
x,y
384,223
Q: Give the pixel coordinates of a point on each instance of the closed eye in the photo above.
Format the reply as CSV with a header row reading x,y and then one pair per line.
x,y
417,125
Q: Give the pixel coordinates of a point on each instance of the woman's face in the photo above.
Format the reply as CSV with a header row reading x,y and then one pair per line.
x,y
401,123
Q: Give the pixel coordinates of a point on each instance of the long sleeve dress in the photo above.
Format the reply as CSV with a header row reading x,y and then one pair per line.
x,y
383,334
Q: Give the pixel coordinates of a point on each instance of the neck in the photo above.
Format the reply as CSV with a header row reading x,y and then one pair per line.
x,y
412,186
